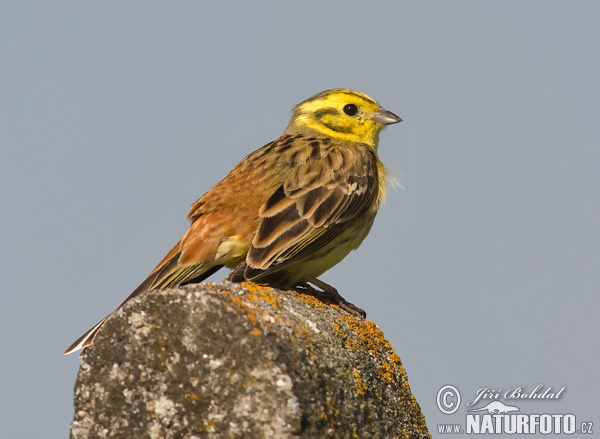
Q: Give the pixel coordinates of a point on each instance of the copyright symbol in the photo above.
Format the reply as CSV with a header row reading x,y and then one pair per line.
x,y
444,401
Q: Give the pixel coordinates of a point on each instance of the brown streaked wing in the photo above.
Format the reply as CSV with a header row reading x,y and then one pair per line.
x,y
311,209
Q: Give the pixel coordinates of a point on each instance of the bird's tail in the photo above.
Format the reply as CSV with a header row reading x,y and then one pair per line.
x,y
86,339
168,274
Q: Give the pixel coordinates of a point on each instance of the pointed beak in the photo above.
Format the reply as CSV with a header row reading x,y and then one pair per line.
x,y
385,117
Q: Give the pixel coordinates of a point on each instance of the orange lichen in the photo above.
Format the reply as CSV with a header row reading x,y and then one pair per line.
x,y
262,292
332,404
207,426
260,318
243,306
361,387
416,414
307,298
191,396
371,339
344,336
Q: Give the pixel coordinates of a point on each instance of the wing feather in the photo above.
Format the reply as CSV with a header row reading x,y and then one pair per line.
x,y
313,206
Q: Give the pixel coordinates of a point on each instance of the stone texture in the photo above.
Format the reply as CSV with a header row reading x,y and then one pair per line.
x,y
220,360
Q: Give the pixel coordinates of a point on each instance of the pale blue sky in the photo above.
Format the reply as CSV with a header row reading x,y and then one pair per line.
x,y
482,272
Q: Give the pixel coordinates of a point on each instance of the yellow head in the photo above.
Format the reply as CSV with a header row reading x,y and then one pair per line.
x,y
343,114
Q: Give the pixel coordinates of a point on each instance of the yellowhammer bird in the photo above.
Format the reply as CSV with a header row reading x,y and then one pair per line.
x,y
290,210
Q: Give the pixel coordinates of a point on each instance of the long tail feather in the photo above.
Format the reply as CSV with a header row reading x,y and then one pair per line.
x,y
86,339
168,275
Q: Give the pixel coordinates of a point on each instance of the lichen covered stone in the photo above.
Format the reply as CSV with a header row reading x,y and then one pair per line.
x,y
226,360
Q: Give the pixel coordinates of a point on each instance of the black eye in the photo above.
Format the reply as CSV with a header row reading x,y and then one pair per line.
x,y
350,109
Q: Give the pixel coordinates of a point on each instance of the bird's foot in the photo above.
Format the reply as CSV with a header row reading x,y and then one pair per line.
x,y
328,293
